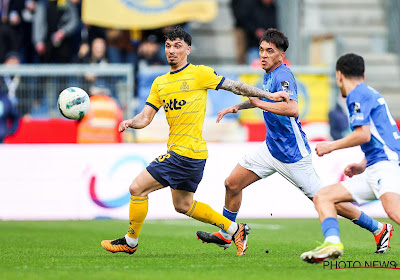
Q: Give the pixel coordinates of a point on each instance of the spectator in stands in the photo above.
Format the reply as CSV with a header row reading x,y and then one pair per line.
x,y
87,34
19,88
96,56
54,23
20,18
76,36
256,16
97,53
9,118
84,35
10,83
149,51
239,9
8,38
122,45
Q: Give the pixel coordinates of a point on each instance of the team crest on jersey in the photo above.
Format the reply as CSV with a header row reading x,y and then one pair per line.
x,y
184,87
357,115
357,107
285,85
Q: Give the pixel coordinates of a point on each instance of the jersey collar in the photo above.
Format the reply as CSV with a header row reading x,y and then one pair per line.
x,y
179,70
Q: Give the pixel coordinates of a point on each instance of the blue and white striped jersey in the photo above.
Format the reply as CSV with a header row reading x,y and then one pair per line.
x,y
285,139
368,107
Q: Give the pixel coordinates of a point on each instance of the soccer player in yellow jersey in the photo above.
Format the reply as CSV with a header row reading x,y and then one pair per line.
x,y
182,93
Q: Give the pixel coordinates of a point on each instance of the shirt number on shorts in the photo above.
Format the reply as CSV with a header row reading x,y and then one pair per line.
x,y
163,157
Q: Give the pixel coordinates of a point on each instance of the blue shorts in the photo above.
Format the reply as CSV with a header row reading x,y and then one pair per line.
x,y
177,172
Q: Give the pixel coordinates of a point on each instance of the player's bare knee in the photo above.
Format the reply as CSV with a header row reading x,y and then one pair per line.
x,y
182,207
232,186
320,198
135,190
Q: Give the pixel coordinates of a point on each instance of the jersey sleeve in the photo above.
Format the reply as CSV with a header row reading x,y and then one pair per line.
x,y
285,81
154,99
360,107
208,78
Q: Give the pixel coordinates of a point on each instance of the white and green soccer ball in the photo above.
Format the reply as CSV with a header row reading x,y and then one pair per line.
x,y
73,103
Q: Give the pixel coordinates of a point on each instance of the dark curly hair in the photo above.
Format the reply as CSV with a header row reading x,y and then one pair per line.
x,y
180,33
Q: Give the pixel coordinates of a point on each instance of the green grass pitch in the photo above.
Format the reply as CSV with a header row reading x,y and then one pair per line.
x,y
169,249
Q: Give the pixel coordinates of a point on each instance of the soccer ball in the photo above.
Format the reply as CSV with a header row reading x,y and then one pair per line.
x,y
73,103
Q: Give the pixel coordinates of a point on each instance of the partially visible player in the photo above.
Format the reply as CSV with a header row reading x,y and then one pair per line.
x,y
285,149
182,93
377,176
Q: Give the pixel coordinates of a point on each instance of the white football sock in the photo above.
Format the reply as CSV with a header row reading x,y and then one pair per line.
x,y
132,242
333,239
232,228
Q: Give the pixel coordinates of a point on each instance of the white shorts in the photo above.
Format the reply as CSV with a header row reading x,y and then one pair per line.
x,y
377,179
301,173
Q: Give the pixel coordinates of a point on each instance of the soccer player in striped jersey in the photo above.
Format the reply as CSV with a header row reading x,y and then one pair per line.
x,y
183,94
285,150
377,176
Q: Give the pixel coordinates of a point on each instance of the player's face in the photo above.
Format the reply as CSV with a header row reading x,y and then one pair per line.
x,y
339,82
176,52
271,57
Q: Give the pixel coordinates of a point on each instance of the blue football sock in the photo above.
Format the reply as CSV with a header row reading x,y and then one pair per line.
x,y
230,215
366,222
330,227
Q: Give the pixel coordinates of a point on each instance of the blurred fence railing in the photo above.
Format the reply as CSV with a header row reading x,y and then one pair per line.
x,y
392,10
35,88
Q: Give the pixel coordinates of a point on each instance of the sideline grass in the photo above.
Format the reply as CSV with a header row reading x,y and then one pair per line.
x,y
169,249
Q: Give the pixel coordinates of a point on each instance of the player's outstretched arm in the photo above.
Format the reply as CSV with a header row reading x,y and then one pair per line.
x,y
234,109
241,88
359,136
139,121
290,108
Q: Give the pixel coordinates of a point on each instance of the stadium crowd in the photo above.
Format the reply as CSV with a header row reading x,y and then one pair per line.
x,y
51,31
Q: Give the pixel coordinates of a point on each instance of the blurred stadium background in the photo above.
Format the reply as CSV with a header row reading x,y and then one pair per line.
x,y
94,177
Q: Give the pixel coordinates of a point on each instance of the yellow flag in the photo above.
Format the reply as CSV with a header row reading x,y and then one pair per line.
x,y
146,14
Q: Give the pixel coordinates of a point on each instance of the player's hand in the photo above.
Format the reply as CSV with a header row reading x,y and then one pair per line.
x,y
280,96
40,48
354,169
254,100
233,109
59,35
323,148
124,125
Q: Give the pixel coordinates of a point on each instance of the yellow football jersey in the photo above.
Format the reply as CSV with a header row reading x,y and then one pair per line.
x,y
183,94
